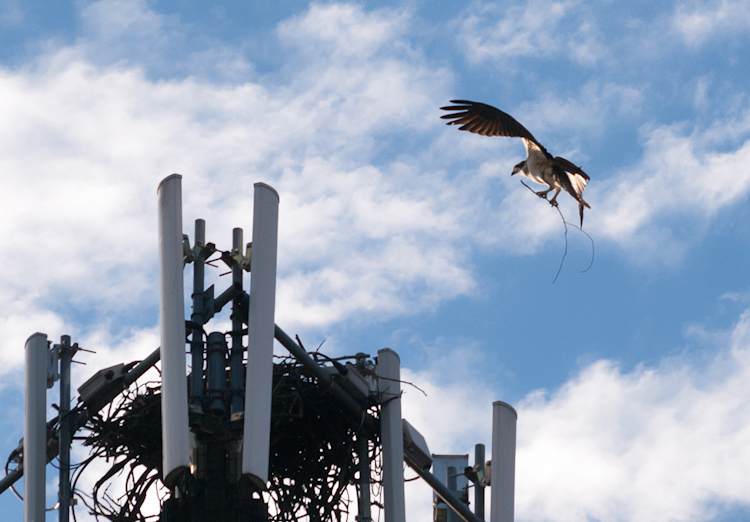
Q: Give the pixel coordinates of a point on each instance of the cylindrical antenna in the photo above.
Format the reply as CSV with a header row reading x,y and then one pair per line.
x,y
216,370
237,239
35,428
66,427
196,343
392,435
174,406
235,360
363,500
259,379
479,463
503,472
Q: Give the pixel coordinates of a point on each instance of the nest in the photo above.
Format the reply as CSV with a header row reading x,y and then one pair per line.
x,y
313,459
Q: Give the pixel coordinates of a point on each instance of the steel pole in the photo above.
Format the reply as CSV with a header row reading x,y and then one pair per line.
x,y
237,382
196,342
67,427
391,435
478,488
363,500
502,483
35,428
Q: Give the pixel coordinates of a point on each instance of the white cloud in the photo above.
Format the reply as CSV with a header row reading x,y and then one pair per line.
x,y
669,443
344,31
653,444
699,21
682,176
362,237
84,147
539,28
589,111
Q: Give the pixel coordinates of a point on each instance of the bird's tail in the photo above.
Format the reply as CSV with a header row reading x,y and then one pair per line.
x,y
581,204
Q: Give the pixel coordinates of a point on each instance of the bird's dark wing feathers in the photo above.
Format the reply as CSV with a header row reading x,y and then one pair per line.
x,y
486,120
571,167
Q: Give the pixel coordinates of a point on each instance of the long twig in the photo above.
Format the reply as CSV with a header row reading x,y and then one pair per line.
x,y
565,224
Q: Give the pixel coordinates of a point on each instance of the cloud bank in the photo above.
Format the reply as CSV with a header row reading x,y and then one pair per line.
x,y
668,443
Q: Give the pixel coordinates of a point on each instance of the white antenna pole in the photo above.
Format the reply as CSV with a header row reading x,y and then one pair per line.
x,y
259,379
503,472
174,406
35,428
392,435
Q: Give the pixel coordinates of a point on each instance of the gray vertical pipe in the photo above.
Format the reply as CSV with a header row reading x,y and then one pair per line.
x,y
216,370
392,435
502,485
196,342
479,463
235,361
364,479
66,427
35,428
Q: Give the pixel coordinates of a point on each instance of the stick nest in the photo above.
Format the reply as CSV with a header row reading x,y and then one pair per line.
x,y
312,451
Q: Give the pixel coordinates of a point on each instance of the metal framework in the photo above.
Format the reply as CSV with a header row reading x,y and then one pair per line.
x,y
216,420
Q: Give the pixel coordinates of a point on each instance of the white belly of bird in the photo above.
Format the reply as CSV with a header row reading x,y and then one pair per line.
x,y
541,171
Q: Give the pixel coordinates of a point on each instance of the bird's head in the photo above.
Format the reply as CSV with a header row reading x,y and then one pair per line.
x,y
521,167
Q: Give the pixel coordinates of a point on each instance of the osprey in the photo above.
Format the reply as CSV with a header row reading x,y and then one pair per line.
x,y
556,172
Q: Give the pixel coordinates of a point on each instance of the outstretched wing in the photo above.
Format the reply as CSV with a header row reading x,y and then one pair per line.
x,y
486,120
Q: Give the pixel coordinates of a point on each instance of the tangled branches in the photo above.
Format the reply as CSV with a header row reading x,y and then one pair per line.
x,y
313,441
313,460
130,437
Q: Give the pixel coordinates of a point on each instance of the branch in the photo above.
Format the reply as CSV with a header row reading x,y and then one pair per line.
x,y
565,224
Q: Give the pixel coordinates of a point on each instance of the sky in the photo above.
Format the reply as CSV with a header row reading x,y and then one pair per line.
x,y
630,378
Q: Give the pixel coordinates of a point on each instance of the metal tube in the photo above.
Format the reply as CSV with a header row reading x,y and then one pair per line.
x,y
324,378
260,325
142,367
391,435
442,491
67,427
35,428
235,360
363,501
216,369
196,342
479,462
502,483
174,407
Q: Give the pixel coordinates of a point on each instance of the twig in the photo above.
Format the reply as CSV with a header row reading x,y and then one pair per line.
x,y
565,224
403,382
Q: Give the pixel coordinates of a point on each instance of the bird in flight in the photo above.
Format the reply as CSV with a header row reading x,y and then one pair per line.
x,y
539,166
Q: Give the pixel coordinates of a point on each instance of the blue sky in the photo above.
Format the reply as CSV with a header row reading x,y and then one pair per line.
x,y
630,379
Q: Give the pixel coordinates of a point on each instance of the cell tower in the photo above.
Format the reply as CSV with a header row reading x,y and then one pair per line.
x,y
245,435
